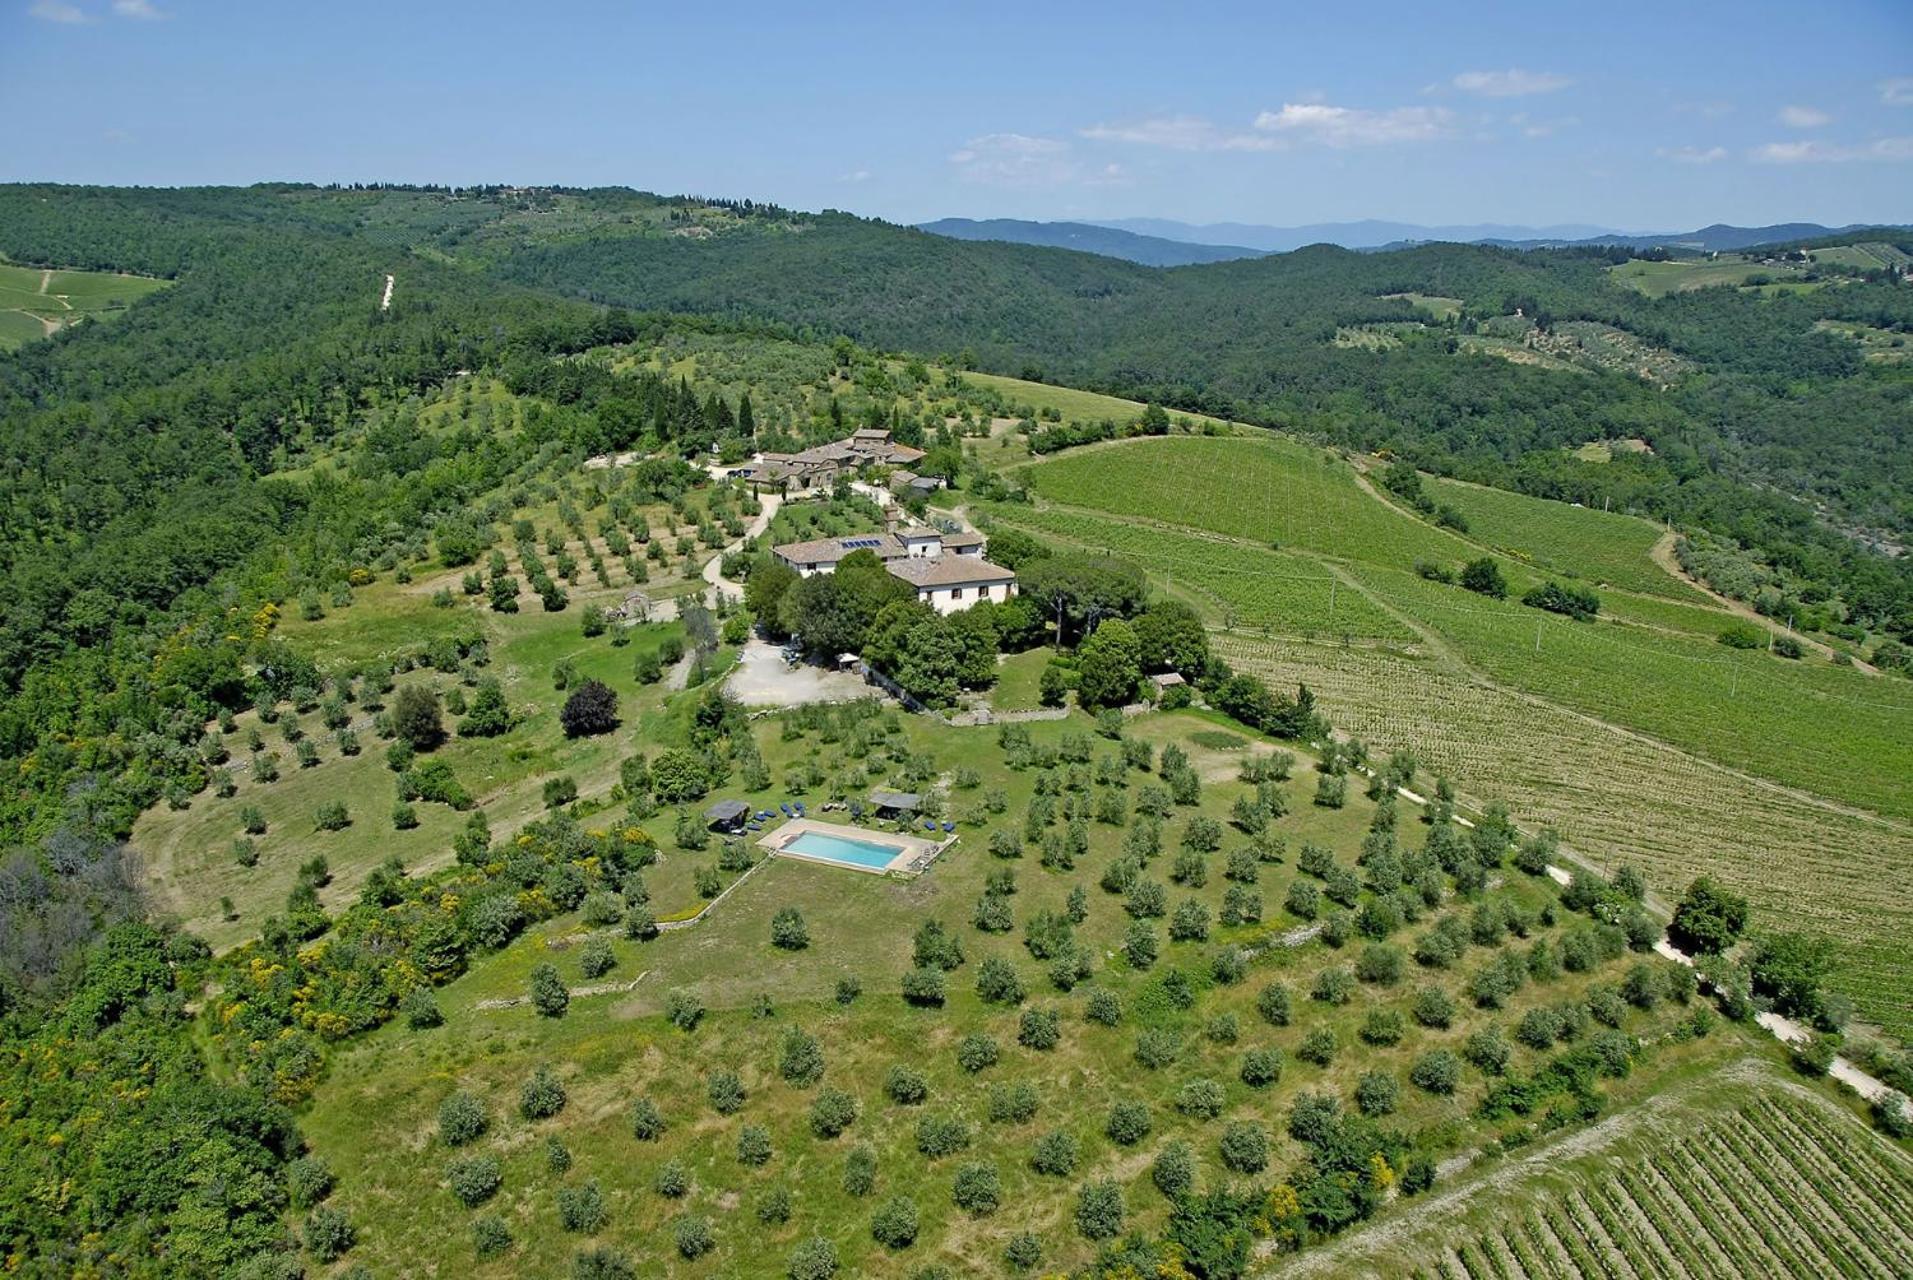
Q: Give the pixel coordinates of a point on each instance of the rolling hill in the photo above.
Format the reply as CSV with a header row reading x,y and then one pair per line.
x,y
1110,242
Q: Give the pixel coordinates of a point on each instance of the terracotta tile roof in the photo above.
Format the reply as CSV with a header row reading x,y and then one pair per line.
x,y
951,571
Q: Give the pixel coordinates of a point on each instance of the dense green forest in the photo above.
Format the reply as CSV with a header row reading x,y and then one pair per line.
x,y
153,494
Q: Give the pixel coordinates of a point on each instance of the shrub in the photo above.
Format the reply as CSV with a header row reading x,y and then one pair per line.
x,y
328,1233
894,1225
800,1058
775,1207
1024,1250
1128,1123
1203,1099
596,958
1099,1210
308,1181
542,1096
1377,1093
753,1145
924,986
1437,1071
1103,1007
476,1180
1157,1047
1272,1002
415,717
905,1086
788,932
548,993
601,1262
1333,986
461,1119
1487,1050
1245,1147
683,1010
333,816
1382,1027
693,1237
1174,1170
1039,1029
647,1122
1318,1047
860,1171
1261,1067
998,983
975,1052
1055,1154
725,1091
671,1181
1013,1103
939,1136
490,1236
812,1259
977,1189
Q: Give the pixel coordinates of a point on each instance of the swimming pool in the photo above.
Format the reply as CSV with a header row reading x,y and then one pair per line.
x,y
867,854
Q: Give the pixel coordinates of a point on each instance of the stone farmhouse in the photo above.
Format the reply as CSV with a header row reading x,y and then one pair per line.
x,y
947,569
818,468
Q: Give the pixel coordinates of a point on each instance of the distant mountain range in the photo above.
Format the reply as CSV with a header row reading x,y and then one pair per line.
x,y
1111,242
1163,242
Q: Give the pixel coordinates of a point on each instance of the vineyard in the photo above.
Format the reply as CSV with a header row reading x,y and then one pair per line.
x,y
1556,537
1829,730
1622,799
1266,490
1248,588
1770,1181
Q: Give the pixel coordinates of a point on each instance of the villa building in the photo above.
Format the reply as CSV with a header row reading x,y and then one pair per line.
x,y
947,569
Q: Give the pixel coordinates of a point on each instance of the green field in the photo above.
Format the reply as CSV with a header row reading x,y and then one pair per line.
x,y
36,303
1658,279
1439,307
1868,256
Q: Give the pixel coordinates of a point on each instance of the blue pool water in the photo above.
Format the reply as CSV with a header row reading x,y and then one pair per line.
x,y
856,853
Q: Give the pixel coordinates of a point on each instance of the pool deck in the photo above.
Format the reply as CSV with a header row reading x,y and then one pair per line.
x,y
914,853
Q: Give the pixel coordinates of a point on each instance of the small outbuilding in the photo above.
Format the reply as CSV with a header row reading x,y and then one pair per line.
x,y
728,815
895,804
1167,680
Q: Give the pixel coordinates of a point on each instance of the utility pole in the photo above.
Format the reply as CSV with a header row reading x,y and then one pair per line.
x,y
1331,600
1537,635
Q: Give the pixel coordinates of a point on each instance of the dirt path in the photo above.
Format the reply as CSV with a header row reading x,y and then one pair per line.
x,y
714,567
46,281
385,303
1663,555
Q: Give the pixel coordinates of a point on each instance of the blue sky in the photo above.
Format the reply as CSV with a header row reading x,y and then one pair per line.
x,y
1633,116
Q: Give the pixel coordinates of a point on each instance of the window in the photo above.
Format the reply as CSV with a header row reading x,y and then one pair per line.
x,y
956,593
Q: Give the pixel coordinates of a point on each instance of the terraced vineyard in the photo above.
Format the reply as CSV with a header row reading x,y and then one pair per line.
x,y
1774,1183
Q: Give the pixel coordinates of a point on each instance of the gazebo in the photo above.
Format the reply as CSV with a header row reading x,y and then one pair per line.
x,y
895,804
727,815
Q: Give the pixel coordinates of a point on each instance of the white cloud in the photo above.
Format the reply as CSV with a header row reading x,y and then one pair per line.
x,y
855,175
141,9
1797,117
1015,160
1512,83
1332,126
1816,152
1179,133
1897,92
57,11
1693,155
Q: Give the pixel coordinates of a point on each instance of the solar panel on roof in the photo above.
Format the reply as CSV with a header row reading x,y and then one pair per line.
x,y
862,542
